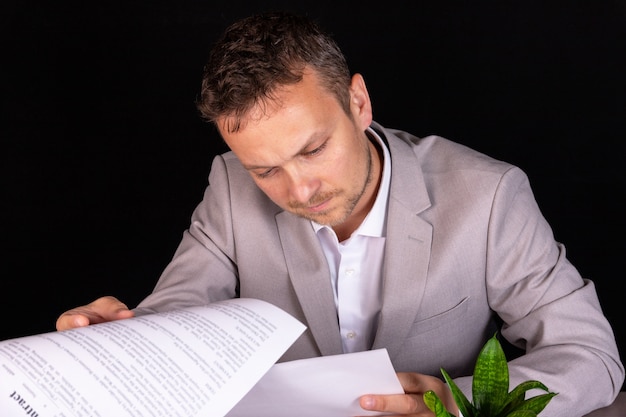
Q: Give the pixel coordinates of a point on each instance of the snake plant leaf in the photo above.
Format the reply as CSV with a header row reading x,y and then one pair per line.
x,y
516,397
434,404
535,404
490,385
465,406
526,386
521,413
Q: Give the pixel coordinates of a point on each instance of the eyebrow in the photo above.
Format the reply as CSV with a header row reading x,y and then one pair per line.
x,y
313,138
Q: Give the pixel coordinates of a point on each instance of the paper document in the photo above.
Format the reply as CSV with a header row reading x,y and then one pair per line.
x,y
194,362
199,361
328,386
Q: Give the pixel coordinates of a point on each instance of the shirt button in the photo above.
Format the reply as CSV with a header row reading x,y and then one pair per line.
x,y
349,272
351,335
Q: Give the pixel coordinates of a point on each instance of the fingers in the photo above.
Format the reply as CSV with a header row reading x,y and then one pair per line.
x,y
99,311
412,401
70,320
400,404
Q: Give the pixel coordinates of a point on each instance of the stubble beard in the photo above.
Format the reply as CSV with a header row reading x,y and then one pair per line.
x,y
326,217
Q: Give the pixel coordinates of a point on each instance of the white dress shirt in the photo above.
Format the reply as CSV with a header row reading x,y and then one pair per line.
x,y
356,267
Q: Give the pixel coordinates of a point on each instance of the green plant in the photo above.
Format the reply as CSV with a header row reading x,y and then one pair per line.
x,y
490,390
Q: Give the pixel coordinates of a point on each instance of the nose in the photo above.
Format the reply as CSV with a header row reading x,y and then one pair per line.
x,y
302,186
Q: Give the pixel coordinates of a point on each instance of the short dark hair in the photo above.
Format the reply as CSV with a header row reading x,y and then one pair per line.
x,y
260,53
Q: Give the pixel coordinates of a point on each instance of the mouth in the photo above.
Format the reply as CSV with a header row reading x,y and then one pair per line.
x,y
318,207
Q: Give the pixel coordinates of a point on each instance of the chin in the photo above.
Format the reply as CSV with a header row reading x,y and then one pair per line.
x,y
320,218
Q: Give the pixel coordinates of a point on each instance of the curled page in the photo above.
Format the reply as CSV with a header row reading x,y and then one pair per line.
x,y
198,361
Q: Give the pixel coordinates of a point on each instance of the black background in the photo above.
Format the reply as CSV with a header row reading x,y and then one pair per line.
x,y
104,156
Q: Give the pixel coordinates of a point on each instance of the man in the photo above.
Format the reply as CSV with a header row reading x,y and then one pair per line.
x,y
373,237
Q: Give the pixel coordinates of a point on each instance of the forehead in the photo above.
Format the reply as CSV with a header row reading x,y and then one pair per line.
x,y
265,104
272,132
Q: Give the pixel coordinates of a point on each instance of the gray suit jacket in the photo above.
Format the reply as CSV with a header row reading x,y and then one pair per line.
x,y
467,250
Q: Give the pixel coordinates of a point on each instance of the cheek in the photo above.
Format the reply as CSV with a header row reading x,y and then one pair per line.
x,y
275,190
347,167
338,166
337,174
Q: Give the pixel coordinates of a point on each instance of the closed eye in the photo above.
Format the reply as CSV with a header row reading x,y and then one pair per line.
x,y
266,173
315,151
306,154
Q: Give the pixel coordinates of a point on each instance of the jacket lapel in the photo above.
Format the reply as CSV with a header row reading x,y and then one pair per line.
x,y
407,250
407,254
310,277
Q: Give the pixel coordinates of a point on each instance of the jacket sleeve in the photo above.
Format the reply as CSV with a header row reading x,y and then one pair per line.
x,y
547,308
203,268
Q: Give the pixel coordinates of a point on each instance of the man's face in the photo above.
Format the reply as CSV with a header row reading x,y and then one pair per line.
x,y
308,156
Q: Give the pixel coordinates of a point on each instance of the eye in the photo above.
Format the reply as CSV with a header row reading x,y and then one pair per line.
x,y
315,151
265,174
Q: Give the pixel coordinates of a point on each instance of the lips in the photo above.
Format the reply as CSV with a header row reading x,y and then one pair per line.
x,y
319,207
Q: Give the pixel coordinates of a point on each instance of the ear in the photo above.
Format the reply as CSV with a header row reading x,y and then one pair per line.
x,y
360,104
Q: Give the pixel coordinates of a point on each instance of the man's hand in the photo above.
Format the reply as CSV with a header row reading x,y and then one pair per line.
x,y
99,311
411,403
